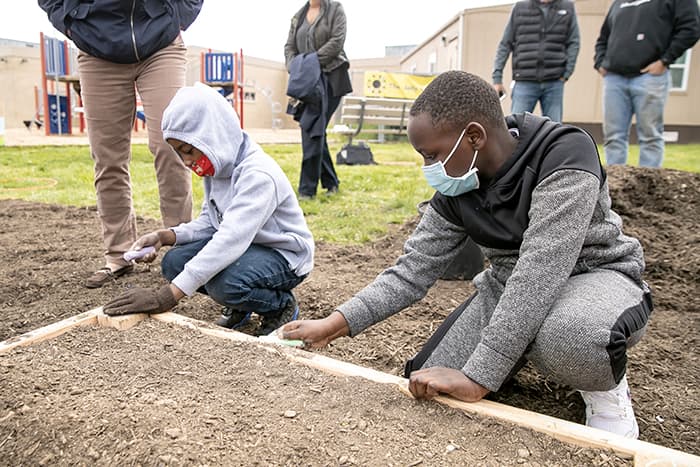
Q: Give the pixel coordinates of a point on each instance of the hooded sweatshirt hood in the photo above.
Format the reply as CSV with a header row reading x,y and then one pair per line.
x,y
216,130
249,199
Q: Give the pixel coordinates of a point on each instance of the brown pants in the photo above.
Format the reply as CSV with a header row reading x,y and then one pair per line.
x,y
109,97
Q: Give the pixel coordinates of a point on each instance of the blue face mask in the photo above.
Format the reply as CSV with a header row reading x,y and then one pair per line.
x,y
437,177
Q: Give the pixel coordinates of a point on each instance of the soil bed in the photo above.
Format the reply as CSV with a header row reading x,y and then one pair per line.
x,y
49,250
157,394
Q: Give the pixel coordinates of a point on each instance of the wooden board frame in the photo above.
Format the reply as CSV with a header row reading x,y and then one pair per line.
x,y
643,453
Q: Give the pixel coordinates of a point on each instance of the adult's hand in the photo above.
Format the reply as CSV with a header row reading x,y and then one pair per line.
x,y
499,89
141,300
655,68
429,382
317,333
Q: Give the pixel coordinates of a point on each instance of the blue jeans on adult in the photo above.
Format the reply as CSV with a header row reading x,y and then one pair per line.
x,y
550,94
645,97
260,280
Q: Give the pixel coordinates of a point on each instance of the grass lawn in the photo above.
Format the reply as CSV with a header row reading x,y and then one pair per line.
x,y
370,197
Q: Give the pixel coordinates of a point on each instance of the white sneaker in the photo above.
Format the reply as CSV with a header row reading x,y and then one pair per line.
x,y
612,410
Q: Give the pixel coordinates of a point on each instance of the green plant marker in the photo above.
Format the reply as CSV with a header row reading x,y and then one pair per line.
x,y
273,338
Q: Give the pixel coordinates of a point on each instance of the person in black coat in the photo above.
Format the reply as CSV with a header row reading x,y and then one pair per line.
x,y
320,27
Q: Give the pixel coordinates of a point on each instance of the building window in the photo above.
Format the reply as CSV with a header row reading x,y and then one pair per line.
x,y
680,70
249,96
432,63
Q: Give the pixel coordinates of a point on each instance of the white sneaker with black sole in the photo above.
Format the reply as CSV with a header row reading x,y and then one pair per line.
x,y
612,410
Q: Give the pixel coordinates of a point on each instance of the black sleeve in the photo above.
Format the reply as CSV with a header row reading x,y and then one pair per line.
x,y
686,30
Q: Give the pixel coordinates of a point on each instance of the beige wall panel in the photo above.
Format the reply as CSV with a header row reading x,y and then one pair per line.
x,y
583,93
682,106
20,71
268,81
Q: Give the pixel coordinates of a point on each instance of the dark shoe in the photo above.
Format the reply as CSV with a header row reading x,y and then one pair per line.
x,y
332,191
272,322
306,197
233,319
105,275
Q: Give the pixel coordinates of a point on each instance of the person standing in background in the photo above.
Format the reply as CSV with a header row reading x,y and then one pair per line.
x,y
125,47
544,38
638,42
320,27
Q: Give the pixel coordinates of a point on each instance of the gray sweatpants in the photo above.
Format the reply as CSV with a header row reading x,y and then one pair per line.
x,y
582,342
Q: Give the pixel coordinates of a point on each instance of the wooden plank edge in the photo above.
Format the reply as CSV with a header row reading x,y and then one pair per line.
x,y
51,331
644,454
327,364
121,323
205,328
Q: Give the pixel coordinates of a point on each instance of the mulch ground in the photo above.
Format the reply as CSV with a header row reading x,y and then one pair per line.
x,y
49,250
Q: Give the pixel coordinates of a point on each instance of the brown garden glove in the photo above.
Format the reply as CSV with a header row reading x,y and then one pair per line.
x,y
141,300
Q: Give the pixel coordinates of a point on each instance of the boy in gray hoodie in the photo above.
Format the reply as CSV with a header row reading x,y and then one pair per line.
x,y
564,287
250,245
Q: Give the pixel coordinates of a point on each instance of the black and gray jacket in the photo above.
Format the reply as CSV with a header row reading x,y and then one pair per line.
x,y
121,31
637,33
544,217
544,42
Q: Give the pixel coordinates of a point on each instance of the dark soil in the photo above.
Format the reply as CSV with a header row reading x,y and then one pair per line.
x,y
49,250
161,395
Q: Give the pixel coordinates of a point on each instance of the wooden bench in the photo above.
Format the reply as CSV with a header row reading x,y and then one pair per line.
x,y
380,116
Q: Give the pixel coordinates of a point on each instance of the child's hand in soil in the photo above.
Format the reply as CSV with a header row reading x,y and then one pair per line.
x,y
316,333
430,382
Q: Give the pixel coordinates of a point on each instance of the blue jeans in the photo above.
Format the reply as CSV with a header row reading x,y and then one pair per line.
x,y
549,93
260,280
645,97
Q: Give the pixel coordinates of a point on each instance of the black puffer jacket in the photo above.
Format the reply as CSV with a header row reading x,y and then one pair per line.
x,y
539,48
121,31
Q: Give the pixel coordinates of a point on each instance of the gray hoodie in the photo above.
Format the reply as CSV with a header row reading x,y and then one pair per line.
x,y
248,199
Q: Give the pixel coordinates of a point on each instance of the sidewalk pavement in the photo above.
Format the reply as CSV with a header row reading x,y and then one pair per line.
x,y
35,137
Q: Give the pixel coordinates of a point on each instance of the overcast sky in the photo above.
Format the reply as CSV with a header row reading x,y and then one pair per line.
x,y
260,27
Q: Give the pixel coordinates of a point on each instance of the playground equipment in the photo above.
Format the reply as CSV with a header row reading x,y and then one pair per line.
x,y
53,109
225,72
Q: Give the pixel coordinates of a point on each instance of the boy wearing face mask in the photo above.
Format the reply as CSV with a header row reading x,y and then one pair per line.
x,y
564,289
250,245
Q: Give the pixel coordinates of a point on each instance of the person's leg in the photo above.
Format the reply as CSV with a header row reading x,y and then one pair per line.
x,y
329,178
260,281
107,91
453,342
552,99
583,343
312,157
649,93
159,77
617,117
524,96
173,262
